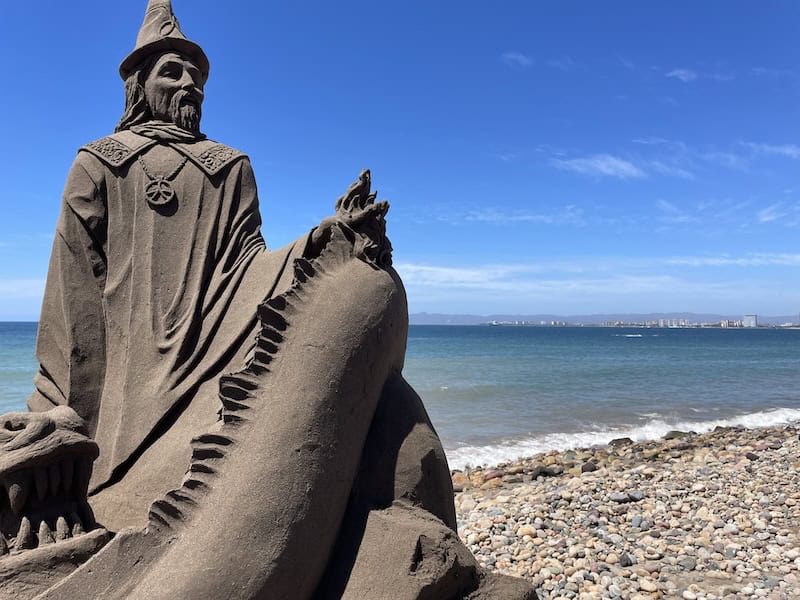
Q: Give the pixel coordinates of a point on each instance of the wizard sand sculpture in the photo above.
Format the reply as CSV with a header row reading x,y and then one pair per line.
x,y
211,419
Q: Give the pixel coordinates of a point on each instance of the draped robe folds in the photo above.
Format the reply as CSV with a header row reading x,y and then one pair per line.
x,y
143,305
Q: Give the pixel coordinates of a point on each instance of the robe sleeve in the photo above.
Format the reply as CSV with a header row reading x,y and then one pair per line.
x,y
70,345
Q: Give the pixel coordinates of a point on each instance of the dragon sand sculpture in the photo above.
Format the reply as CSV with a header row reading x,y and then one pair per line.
x,y
312,473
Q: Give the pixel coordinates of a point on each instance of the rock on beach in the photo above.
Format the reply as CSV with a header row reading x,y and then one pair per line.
x,y
711,516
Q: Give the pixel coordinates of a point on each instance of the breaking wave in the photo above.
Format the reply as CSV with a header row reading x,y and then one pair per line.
x,y
509,450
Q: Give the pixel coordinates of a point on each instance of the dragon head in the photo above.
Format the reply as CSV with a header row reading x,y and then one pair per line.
x,y
45,466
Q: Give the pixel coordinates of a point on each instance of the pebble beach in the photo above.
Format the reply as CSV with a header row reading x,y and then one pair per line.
x,y
712,516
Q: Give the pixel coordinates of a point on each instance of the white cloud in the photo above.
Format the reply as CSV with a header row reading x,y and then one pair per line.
x,y
672,214
567,215
725,159
627,63
20,299
770,72
689,75
21,289
565,63
505,156
685,75
721,76
671,170
750,260
604,284
517,59
604,165
787,150
771,213
654,141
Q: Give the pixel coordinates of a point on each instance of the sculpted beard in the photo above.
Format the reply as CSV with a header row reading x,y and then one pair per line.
x,y
185,111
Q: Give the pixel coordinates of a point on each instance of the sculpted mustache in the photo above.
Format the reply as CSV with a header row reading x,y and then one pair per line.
x,y
182,95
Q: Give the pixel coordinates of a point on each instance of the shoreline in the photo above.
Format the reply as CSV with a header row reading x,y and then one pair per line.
x,y
713,515
656,427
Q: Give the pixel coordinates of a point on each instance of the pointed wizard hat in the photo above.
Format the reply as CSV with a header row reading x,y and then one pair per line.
x,y
161,32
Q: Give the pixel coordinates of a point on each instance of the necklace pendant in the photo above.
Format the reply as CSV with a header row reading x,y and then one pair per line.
x,y
159,192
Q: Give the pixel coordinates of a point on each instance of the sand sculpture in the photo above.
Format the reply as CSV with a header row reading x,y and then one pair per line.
x,y
212,419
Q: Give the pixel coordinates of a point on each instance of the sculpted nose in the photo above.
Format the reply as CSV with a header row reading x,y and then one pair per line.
x,y
186,82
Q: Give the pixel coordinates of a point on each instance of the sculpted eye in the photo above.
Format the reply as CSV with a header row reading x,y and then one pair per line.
x,y
170,71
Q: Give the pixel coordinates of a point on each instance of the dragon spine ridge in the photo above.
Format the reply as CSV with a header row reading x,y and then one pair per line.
x,y
174,509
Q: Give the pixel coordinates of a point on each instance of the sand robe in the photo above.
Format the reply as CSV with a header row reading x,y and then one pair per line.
x,y
145,302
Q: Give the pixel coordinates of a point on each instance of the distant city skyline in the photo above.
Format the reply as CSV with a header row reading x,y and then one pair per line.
x,y
563,158
648,319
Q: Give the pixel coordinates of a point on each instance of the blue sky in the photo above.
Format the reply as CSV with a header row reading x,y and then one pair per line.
x,y
540,157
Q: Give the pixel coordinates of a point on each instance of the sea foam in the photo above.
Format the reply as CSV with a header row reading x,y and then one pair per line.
x,y
514,449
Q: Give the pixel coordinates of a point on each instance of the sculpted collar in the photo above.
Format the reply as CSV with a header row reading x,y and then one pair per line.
x,y
166,132
120,148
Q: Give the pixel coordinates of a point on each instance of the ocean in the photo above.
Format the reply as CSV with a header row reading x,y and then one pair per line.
x,y
499,393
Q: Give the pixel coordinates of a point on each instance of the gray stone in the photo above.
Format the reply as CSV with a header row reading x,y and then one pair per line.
x,y
620,442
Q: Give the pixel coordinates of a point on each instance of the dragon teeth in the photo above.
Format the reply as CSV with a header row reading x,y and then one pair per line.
x,y
24,535
77,526
18,485
62,529
45,535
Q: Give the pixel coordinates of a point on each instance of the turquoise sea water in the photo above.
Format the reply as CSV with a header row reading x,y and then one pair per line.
x,y
496,393
17,364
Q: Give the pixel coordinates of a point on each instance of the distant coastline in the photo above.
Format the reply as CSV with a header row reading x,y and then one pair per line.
x,y
666,320
648,320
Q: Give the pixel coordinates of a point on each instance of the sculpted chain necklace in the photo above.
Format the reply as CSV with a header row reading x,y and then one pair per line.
x,y
159,191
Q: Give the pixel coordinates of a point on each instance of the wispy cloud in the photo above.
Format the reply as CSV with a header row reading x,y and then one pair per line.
x,y
517,60
689,75
671,213
565,63
684,75
728,160
771,213
567,215
505,156
21,288
787,150
653,141
678,159
626,286
670,170
600,165
771,72
522,279
721,76
747,261
627,63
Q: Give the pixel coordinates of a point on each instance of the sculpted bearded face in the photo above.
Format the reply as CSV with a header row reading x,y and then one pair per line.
x,y
173,91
